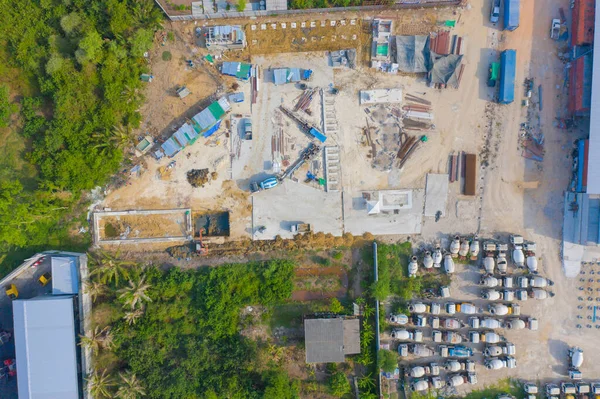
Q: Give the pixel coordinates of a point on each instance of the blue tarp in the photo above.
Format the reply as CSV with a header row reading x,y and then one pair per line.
x,y
320,136
508,66
236,97
213,129
511,14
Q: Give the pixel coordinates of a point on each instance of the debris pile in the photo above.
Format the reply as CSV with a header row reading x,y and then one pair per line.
x,y
305,100
198,177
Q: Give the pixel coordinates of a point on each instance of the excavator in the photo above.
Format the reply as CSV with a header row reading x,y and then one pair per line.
x,y
201,248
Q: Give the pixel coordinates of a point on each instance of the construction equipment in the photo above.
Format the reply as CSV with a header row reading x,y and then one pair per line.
x,y
309,152
201,248
304,125
300,228
4,337
11,291
44,279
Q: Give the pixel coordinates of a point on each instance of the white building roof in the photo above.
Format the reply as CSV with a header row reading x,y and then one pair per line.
x,y
64,275
44,331
593,175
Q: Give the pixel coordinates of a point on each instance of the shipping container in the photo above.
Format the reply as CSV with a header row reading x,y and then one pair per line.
x,y
584,14
511,14
508,66
470,174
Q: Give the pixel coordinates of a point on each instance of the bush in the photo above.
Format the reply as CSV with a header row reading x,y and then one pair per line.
x,y
335,306
338,255
241,5
387,360
339,384
166,56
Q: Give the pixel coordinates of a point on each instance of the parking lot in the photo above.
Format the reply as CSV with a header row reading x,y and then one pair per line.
x,y
28,287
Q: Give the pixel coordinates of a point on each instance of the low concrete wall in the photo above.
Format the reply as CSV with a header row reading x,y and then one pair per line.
x,y
98,215
406,4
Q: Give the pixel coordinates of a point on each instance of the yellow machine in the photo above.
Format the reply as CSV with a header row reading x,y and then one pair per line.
x,y
12,292
44,279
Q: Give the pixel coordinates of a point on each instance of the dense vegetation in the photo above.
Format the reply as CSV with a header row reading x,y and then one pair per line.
x,y
177,332
80,62
305,4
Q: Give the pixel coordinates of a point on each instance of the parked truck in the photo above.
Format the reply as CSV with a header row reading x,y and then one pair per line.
x,y
495,11
455,246
500,349
421,350
300,228
452,337
413,267
495,363
531,260
508,70
406,335
428,260
460,379
398,319
449,264
512,14
455,351
464,249
459,365
496,295
474,248
575,360
518,256
499,309
437,257
420,371
488,337
451,323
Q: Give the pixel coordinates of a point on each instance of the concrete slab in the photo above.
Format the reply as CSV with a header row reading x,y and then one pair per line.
x,y
290,203
401,221
436,194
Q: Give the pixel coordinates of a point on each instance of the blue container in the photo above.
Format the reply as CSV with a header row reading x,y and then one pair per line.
x,y
508,69
320,136
512,14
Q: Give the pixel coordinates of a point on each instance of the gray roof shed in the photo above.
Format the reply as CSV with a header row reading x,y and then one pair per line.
x,y
65,279
329,340
44,331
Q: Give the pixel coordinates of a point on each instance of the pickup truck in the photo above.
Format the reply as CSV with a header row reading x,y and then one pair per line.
x,y
300,228
495,11
248,129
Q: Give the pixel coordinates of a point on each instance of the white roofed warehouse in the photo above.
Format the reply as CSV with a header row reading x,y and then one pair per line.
x,y
46,351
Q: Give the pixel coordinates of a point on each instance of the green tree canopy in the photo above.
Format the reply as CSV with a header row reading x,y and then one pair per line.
x,y
387,360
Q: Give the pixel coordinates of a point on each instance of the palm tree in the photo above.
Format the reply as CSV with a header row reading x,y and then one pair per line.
x,y
119,137
97,339
100,384
110,268
131,387
94,289
135,294
132,316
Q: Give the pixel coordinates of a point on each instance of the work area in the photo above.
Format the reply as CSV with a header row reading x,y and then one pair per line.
x,y
411,126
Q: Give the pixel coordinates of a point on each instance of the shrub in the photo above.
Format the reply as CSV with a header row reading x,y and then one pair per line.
x,y
166,56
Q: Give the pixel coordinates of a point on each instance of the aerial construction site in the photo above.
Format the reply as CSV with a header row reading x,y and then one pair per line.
x,y
447,127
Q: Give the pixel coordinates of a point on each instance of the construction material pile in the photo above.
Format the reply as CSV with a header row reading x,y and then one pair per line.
x,y
305,101
417,114
198,177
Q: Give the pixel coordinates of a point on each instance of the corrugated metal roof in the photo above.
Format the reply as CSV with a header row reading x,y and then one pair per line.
x,y
65,278
593,176
171,147
205,119
180,137
189,131
44,331
225,106
230,68
293,75
583,22
324,340
216,110
280,76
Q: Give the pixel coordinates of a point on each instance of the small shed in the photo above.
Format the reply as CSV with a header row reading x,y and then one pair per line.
x,y
239,70
65,278
183,92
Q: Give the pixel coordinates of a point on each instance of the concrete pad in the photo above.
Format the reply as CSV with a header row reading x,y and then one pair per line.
x,y
401,221
290,203
436,194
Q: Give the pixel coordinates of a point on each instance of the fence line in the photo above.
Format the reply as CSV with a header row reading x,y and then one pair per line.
x,y
272,13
